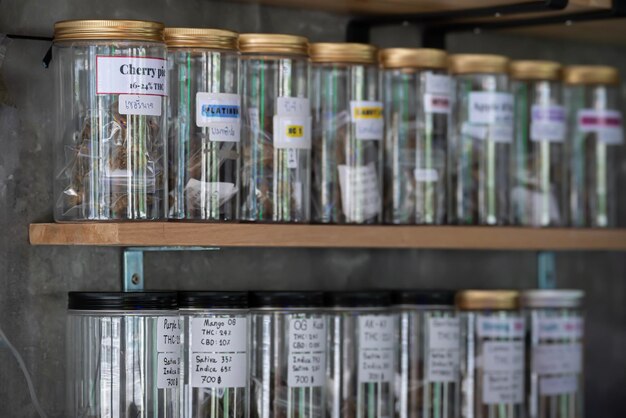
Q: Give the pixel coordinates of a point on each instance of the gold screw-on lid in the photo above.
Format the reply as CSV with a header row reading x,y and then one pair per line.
x,y
414,58
535,70
200,38
273,43
134,30
590,74
487,299
478,64
329,52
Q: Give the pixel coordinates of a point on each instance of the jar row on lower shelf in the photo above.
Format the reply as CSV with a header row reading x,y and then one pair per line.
x,y
370,354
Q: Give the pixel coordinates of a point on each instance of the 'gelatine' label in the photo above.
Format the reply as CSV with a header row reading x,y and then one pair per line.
x,y
307,352
368,119
376,348
220,113
606,124
131,75
547,123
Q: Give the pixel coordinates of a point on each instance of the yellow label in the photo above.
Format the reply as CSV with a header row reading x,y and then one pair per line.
x,y
368,112
295,131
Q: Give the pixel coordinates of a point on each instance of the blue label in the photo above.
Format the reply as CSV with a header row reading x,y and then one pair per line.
x,y
220,111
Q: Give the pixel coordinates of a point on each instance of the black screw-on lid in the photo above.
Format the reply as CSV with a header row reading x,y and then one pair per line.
x,y
115,301
363,299
268,299
213,300
423,297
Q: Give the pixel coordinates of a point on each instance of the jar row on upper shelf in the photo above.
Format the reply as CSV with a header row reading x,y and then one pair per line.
x,y
206,124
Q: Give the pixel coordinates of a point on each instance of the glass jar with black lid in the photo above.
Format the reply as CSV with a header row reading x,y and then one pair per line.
x,y
215,354
123,354
288,354
360,367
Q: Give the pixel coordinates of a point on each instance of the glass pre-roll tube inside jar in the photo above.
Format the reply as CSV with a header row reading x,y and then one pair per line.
x,y
417,112
111,87
347,134
287,370
360,366
555,384
595,132
214,381
123,355
482,134
276,131
203,124
492,354
538,189
428,381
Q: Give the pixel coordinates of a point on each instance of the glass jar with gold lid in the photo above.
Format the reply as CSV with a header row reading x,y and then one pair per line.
x,y
347,135
418,102
482,134
539,193
276,130
203,124
595,133
492,353
111,88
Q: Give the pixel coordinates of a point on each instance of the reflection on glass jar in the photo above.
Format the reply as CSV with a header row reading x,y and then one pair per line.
x,y
276,131
204,124
111,82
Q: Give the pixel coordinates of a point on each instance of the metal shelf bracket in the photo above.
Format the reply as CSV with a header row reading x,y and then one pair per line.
x,y
546,270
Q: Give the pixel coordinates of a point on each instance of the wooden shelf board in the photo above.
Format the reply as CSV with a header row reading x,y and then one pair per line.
x,y
391,7
608,32
325,236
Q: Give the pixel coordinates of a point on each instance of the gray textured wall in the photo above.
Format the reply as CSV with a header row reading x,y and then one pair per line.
x,y
34,280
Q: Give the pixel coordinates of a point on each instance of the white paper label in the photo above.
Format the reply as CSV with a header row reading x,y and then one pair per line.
x,y
443,350
360,196
307,352
218,346
131,75
168,334
558,385
503,366
220,112
137,104
557,358
168,370
292,132
368,119
438,84
495,327
218,370
292,106
493,112
376,348
607,124
219,191
547,123
551,329
436,103
253,114
426,175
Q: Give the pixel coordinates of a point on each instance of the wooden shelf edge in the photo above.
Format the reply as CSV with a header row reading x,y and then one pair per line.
x,y
153,234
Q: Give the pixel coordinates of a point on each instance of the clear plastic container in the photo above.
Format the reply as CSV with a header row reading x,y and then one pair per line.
x,y
204,124
555,345
347,134
360,367
539,192
428,381
111,87
276,131
417,100
288,355
595,133
482,134
123,355
215,372
492,354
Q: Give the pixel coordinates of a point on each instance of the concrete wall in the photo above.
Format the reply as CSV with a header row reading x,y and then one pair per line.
x,y
34,280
